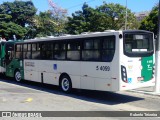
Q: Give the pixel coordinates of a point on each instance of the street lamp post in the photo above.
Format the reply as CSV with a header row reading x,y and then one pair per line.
x,y
126,16
157,65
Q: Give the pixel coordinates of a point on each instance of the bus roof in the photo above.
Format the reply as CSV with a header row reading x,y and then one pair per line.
x,y
67,36
137,31
82,35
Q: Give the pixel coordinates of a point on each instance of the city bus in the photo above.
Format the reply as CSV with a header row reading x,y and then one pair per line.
x,y
103,61
6,54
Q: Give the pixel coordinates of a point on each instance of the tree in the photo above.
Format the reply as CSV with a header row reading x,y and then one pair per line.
x,y
46,24
115,16
9,29
150,23
106,16
80,21
15,17
22,12
5,17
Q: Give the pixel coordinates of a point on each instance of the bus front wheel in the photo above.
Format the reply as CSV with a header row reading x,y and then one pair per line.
x,y
17,76
65,84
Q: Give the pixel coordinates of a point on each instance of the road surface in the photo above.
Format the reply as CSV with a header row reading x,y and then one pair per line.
x,y
30,96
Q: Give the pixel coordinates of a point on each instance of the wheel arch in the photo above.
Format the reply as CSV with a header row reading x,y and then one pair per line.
x,y
64,74
16,70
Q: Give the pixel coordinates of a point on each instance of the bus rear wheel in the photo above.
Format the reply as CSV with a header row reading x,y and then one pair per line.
x,y
65,84
17,76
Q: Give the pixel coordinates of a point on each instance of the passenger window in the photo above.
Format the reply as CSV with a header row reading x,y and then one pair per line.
x,y
18,48
29,47
47,51
73,50
34,47
19,54
35,51
25,47
91,49
108,48
88,44
59,52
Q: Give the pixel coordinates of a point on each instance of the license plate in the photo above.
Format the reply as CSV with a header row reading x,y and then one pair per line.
x,y
140,78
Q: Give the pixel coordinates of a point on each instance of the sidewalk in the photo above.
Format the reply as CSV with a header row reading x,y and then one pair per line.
x,y
146,90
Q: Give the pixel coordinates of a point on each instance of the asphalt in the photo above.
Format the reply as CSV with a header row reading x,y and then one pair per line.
x,y
146,90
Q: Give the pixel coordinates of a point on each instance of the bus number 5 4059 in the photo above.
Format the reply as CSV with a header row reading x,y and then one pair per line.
x,y
103,68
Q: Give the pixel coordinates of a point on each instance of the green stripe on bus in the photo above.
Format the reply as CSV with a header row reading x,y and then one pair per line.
x,y
147,68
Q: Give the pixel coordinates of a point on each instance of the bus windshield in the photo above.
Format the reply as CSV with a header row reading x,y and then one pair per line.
x,y
138,44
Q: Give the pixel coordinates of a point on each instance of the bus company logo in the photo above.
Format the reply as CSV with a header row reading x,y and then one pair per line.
x,y
130,67
31,64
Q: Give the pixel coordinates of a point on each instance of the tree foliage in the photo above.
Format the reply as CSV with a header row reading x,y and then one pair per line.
x,y
19,18
15,17
150,23
46,24
21,12
106,16
9,29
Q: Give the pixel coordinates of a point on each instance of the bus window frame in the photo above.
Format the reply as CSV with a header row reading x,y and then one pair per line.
x,y
74,50
20,51
9,52
65,43
140,54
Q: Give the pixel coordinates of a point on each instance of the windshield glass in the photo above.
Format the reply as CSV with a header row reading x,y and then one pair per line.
x,y
138,43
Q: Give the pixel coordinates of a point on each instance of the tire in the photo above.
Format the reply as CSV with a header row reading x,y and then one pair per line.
x,y
17,76
65,84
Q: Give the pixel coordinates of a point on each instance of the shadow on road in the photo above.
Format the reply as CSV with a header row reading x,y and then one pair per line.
x,y
109,98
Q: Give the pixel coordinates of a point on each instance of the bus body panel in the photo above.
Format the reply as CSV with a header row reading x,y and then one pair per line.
x,y
2,56
115,65
96,75
139,72
6,55
73,69
34,71
14,65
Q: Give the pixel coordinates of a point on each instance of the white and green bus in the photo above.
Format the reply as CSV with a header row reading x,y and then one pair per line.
x,y
6,54
105,61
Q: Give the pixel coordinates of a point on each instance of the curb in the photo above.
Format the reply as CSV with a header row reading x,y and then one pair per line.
x,y
145,92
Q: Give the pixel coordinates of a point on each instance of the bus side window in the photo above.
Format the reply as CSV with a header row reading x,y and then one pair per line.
x,y
25,51
47,51
108,48
19,54
91,49
35,51
73,50
59,51
28,55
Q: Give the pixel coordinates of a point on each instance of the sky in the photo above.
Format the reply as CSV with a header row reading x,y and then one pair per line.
x,y
74,5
